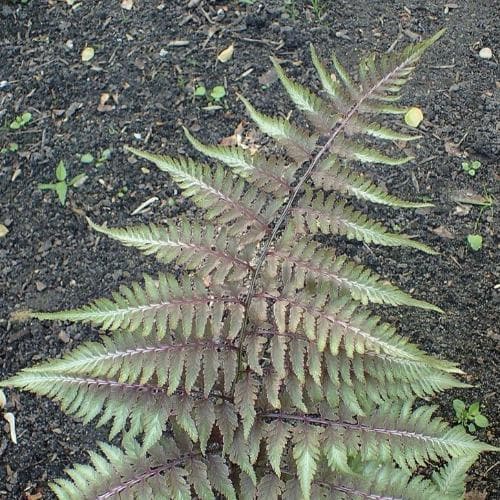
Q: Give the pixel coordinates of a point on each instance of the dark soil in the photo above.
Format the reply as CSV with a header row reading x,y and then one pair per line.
x,y
50,259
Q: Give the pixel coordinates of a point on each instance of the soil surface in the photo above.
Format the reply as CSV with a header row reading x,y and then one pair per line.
x,y
138,89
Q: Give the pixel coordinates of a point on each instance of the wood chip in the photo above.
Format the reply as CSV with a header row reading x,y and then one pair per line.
x,y
11,420
143,206
178,43
127,4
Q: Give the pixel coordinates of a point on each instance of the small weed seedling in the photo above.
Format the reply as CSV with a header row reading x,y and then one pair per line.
x,y
471,167
62,185
318,8
475,241
10,148
470,417
216,94
20,121
103,157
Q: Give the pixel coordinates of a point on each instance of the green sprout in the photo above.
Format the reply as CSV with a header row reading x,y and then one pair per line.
x,y
218,93
470,417
475,241
62,185
200,91
20,121
318,8
471,167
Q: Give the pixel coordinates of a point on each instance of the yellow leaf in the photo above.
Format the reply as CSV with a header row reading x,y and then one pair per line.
x,y
87,54
3,230
414,117
226,54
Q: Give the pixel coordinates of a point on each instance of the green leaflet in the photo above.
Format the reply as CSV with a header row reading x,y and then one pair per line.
x,y
205,249
159,306
331,175
310,262
270,175
329,216
298,143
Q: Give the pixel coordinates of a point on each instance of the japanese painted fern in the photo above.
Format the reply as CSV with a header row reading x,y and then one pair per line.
x,y
260,373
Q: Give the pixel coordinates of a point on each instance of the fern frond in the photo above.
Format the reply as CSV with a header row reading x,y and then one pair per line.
x,y
380,79
131,359
358,126
354,150
329,216
163,473
205,249
331,175
450,479
324,119
387,74
160,305
311,263
224,199
297,143
372,480
338,321
356,381
315,109
270,175
146,406
394,432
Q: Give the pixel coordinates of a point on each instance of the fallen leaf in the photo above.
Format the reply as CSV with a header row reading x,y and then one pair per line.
x,y
127,4
3,399
3,230
87,54
235,139
226,54
453,150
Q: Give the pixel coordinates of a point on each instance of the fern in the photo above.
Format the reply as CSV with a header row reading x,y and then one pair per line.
x,y
260,372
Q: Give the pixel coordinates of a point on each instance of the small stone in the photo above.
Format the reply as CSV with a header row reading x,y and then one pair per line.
x,y
40,286
485,53
64,337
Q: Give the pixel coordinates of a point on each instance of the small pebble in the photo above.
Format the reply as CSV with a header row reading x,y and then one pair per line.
x,y
485,53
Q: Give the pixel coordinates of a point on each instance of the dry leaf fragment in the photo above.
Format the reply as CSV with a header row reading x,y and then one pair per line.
x,y
226,54
453,150
87,54
443,232
3,230
127,4
102,106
